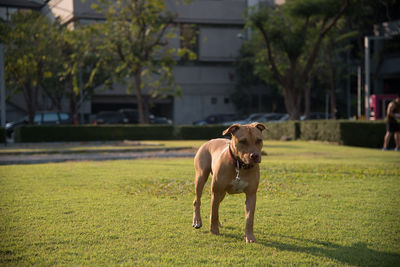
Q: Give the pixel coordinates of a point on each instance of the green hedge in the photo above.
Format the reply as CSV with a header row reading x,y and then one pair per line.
x,y
343,132
68,133
351,133
2,135
288,129
322,130
364,134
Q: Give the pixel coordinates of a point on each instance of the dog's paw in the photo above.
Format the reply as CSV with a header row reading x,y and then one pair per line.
x,y
197,221
197,225
250,239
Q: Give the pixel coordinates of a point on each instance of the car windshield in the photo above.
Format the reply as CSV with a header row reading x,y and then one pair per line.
x,y
38,118
110,117
50,117
274,117
64,116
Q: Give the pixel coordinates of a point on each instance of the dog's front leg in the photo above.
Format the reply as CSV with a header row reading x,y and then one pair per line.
x,y
250,207
216,198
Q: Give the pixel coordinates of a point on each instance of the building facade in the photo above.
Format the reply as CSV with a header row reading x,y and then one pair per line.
x,y
207,83
385,67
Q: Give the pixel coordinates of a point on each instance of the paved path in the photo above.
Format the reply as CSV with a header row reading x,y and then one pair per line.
x,y
50,156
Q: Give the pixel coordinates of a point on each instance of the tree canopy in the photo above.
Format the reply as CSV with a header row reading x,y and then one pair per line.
x,y
136,35
290,37
31,56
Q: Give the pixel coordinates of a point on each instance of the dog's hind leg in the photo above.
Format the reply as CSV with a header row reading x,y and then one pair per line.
x,y
200,181
203,168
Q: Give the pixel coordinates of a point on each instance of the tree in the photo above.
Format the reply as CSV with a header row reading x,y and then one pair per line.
x,y
247,81
136,35
31,56
333,62
291,35
83,67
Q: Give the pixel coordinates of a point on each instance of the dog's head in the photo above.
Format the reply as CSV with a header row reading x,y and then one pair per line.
x,y
247,141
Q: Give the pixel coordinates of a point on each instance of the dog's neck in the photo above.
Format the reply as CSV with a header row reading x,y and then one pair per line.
x,y
236,161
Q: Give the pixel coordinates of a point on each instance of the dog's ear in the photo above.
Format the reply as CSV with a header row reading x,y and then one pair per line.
x,y
259,126
232,129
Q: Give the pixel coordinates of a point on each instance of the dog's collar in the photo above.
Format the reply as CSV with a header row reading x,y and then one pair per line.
x,y
238,163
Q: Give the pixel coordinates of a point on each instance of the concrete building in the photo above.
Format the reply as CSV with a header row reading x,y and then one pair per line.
x,y
207,83
384,67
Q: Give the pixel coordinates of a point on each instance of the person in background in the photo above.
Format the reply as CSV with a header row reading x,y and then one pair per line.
x,y
392,126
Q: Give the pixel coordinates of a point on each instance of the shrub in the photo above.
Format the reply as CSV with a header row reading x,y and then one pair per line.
x,y
350,133
69,133
322,130
363,133
289,129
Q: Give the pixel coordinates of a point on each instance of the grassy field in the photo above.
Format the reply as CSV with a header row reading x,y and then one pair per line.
x,y
318,204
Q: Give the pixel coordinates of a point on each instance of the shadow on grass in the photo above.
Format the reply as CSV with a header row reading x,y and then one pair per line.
x,y
357,254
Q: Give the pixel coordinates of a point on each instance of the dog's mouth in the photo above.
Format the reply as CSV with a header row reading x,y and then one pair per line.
x,y
250,159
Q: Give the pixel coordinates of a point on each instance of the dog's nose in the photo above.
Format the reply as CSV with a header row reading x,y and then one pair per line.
x,y
254,156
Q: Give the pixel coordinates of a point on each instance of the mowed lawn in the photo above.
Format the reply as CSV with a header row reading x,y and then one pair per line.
x,y
318,204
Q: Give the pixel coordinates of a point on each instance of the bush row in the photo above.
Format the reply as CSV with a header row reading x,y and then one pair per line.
x,y
70,133
343,132
352,133
289,130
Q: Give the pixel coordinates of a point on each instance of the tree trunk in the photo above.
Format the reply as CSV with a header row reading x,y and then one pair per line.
x,y
143,108
332,85
334,110
297,107
307,100
73,105
292,102
30,102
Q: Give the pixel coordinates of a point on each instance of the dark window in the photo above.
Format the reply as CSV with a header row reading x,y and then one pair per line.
x,y
189,36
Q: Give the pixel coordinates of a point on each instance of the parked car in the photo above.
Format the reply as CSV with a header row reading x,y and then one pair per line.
x,y
316,116
159,120
218,119
131,115
110,117
41,118
124,116
251,118
261,117
274,117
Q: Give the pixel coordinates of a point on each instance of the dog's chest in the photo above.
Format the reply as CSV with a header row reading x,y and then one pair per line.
x,y
237,186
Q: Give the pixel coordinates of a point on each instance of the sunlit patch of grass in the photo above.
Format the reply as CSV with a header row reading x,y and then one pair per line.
x,y
317,204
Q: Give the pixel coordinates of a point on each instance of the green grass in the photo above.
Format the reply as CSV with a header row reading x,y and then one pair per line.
x,y
318,204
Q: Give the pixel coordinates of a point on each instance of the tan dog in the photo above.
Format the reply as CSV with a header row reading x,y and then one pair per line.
x,y
234,168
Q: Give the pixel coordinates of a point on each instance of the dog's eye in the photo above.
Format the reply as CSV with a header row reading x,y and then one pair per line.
x,y
258,141
243,142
